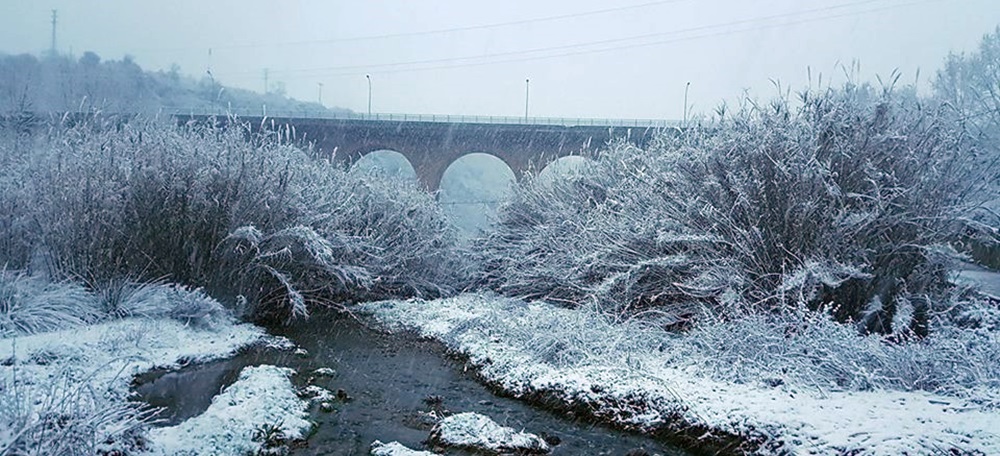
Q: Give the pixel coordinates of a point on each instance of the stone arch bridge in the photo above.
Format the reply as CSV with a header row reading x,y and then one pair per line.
x,y
433,144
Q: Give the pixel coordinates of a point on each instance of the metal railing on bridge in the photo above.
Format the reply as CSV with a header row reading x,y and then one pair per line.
x,y
445,118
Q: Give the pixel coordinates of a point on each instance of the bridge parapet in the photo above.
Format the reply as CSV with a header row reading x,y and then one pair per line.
x,y
433,118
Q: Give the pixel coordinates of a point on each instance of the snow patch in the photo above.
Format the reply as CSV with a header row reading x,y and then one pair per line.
x,y
317,394
480,433
324,372
263,395
97,363
108,355
396,449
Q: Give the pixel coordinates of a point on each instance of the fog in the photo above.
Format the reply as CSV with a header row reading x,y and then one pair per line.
x,y
583,58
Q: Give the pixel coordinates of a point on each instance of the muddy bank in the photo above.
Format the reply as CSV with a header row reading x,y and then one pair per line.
x,y
391,382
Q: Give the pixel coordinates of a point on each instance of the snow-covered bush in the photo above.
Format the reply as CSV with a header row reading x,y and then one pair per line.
x,y
107,197
810,350
33,305
67,418
969,84
357,237
400,234
844,201
122,200
29,305
122,297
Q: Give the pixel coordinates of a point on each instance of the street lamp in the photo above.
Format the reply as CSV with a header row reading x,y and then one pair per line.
x,y
527,82
369,77
686,87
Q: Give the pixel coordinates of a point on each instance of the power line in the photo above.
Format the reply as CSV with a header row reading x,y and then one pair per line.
x,y
438,31
472,27
388,67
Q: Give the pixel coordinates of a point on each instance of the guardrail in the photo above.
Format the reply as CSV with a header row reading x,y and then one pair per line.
x,y
394,117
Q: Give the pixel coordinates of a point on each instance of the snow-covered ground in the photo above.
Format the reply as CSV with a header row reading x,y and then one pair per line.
x,y
637,389
102,359
263,396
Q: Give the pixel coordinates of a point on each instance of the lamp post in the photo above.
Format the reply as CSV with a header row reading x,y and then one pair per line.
x,y
527,83
369,77
686,87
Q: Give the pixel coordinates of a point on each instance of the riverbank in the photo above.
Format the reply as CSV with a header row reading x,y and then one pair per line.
x,y
623,373
72,388
395,388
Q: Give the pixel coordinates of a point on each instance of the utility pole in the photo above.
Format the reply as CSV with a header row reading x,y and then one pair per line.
x,y
55,15
265,81
526,84
319,98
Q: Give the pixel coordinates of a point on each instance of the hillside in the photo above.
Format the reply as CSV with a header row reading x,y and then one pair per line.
x,y
64,83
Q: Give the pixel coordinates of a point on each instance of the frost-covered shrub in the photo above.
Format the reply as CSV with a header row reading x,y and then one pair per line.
x,y
981,241
359,238
114,200
844,202
69,417
123,297
107,197
14,232
808,349
969,85
29,305
273,268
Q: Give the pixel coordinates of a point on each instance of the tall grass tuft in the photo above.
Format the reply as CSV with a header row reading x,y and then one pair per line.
x,y
30,305
845,200
68,417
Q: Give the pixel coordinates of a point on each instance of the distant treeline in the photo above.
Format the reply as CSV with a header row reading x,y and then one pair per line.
x,y
61,83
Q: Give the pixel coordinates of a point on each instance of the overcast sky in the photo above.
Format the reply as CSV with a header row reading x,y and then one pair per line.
x,y
584,58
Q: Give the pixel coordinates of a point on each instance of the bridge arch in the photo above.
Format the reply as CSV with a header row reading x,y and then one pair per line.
x,y
387,163
472,188
431,146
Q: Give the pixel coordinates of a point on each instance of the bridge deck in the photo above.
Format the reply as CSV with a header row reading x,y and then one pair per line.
x,y
446,118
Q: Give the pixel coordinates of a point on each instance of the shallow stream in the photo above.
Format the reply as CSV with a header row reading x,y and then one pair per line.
x,y
388,377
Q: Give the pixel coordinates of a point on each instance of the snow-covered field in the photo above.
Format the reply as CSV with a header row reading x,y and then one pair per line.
x,y
95,364
622,382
